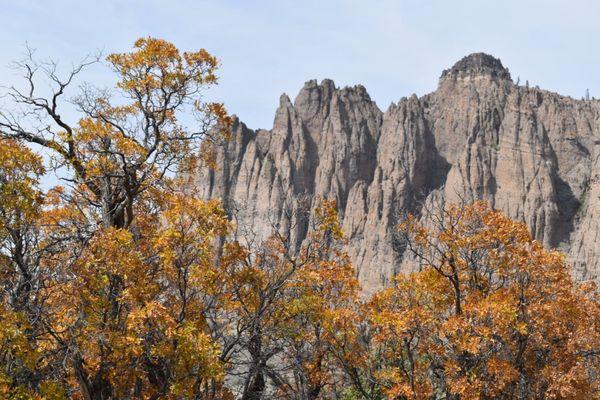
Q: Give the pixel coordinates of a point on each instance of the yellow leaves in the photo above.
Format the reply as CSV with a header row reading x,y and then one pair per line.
x,y
156,48
20,356
150,53
104,142
327,219
223,120
188,214
50,390
195,358
143,138
302,302
141,297
128,147
13,338
18,161
208,156
400,388
157,63
518,317
187,241
123,275
200,57
110,253
20,170
411,226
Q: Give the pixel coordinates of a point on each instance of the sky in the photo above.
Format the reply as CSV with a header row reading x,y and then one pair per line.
x,y
266,48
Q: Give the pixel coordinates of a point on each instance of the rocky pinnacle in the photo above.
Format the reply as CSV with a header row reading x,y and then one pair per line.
x,y
531,153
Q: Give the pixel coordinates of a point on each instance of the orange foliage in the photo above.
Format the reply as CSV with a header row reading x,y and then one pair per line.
x,y
492,314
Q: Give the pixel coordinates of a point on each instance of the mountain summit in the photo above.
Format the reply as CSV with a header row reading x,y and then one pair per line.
x,y
531,153
477,64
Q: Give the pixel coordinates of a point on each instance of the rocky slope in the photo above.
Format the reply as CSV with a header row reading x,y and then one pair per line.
x,y
529,152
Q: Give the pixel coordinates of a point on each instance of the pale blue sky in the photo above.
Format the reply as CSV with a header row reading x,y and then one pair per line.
x,y
393,48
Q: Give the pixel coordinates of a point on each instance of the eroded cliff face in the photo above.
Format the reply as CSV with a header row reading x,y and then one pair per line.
x,y
531,153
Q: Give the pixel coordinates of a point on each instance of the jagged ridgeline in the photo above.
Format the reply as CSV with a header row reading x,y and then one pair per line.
x,y
531,153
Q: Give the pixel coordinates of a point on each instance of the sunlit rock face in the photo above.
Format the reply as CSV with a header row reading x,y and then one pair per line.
x,y
531,153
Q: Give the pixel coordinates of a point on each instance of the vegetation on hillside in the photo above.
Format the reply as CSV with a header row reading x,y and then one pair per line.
x,y
125,285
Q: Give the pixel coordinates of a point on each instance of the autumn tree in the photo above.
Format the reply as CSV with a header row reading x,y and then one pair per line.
x,y
279,302
20,270
123,143
491,315
112,285
154,341
258,287
20,170
322,291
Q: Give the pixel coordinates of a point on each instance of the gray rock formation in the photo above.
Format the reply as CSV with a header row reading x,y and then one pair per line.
x,y
531,153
